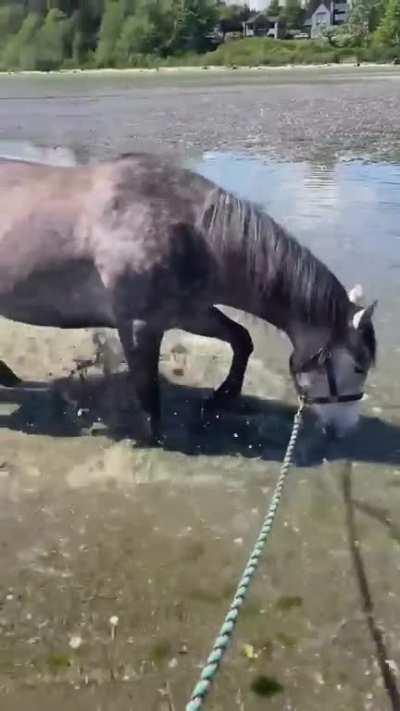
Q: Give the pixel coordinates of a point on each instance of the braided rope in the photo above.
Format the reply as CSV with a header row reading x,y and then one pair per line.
x,y
220,645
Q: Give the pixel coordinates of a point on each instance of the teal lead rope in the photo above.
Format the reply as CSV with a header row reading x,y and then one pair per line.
x,y
220,645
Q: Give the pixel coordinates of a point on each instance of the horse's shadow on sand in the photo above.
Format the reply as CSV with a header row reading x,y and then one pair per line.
x,y
251,427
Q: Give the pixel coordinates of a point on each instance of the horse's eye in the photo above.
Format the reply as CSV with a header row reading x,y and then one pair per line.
x,y
359,370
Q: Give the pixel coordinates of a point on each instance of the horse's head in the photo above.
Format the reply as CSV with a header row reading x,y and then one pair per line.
x,y
332,378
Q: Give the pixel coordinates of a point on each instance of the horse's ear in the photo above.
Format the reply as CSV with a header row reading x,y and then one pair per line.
x,y
356,294
364,316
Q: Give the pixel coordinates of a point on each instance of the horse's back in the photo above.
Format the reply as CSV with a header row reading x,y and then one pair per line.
x,y
19,178
134,178
39,209
47,274
65,232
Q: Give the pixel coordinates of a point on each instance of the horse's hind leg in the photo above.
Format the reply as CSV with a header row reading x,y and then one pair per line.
x,y
214,324
7,377
141,344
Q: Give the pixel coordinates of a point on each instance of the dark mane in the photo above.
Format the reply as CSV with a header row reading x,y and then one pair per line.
x,y
277,266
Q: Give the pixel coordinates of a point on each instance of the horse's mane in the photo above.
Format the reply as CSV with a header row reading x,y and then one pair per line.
x,y
276,265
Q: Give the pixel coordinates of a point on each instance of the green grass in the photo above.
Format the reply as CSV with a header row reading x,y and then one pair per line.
x,y
378,53
256,52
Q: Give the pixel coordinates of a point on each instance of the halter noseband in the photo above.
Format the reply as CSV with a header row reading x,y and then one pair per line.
x,y
324,357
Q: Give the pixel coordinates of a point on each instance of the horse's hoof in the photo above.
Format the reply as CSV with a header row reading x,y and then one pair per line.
x,y
153,436
158,439
146,444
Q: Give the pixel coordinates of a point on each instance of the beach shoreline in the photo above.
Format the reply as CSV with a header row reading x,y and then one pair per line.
x,y
214,69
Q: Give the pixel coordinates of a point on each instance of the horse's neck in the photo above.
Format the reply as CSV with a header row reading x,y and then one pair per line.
x,y
243,291
301,333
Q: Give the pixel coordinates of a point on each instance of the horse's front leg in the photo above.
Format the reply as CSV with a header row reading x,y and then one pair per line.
x,y
214,324
141,344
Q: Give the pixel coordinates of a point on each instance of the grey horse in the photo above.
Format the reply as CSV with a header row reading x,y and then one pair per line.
x,y
141,245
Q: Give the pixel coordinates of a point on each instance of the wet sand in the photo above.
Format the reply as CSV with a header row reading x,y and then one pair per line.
x,y
93,527
297,114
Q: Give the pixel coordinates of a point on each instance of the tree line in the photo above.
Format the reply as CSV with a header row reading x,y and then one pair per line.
x,y
50,34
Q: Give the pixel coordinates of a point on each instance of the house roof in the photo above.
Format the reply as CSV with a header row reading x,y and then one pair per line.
x,y
262,16
256,16
313,7
322,6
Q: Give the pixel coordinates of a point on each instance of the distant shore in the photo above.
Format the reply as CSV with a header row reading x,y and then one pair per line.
x,y
215,69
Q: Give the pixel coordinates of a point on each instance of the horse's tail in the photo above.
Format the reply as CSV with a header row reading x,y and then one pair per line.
x,y
7,377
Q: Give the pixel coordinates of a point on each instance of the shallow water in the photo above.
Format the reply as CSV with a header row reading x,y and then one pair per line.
x,y
92,527
346,211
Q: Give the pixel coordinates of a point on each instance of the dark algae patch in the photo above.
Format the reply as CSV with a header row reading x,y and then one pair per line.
x,y
160,651
289,602
266,686
57,662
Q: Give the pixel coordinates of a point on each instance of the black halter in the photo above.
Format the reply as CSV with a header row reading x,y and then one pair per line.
x,y
324,357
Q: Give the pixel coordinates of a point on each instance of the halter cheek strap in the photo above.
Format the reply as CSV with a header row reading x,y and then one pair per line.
x,y
333,390
333,396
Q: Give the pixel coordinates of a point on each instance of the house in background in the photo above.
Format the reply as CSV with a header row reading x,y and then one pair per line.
x,y
339,12
321,15
320,21
328,14
255,5
260,24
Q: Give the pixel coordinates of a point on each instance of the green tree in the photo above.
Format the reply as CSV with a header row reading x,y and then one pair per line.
x,y
46,33
163,15
21,49
362,18
129,7
274,9
110,30
293,14
86,25
11,19
388,31
194,20
138,37
231,17
54,40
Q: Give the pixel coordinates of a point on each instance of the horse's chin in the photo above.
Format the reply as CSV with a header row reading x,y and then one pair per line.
x,y
338,420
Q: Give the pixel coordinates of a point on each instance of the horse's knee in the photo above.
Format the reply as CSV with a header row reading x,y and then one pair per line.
x,y
241,341
246,342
